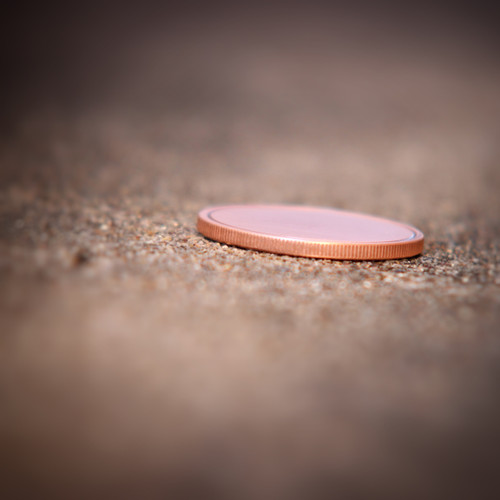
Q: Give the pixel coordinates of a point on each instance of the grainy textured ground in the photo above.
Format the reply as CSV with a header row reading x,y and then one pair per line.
x,y
138,358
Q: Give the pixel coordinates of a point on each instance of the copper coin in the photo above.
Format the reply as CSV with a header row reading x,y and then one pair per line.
x,y
310,232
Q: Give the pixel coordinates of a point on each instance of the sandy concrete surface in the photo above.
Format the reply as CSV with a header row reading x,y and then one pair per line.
x,y
139,359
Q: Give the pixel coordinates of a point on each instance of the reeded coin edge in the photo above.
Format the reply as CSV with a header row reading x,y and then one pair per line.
x,y
315,249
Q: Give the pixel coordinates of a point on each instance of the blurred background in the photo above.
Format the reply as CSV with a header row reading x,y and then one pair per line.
x,y
139,359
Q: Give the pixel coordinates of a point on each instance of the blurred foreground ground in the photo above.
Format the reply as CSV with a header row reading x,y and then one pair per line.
x,y
138,359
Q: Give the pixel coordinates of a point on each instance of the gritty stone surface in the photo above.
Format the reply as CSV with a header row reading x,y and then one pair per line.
x,y
139,358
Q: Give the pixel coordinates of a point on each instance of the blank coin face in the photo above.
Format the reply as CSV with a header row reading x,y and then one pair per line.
x,y
310,232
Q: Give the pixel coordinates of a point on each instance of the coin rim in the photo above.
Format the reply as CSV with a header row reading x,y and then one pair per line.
x,y
337,250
